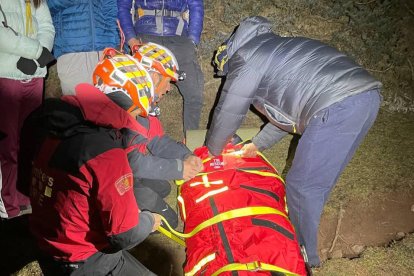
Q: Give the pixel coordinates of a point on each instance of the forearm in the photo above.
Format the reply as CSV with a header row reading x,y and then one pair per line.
x,y
134,236
125,18
46,33
153,167
19,45
166,147
196,20
268,136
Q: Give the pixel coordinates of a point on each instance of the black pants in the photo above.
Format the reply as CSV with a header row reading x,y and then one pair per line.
x,y
121,263
193,86
150,196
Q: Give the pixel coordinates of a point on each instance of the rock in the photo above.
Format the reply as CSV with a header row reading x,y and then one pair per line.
x,y
400,235
337,254
412,208
324,254
357,248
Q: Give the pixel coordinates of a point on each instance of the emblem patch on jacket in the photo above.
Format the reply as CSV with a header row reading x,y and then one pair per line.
x,y
124,183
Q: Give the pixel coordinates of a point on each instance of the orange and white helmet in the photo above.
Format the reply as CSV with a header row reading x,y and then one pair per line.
x,y
158,58
120,71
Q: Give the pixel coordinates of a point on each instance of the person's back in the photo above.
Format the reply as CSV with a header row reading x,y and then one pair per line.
x,y
303,75
84,209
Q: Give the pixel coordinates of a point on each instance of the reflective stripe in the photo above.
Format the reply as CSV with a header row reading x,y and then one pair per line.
x,y
181,201
211,193
253,266
205,182
157,54
181,16
180,26
200,264
158,24
217,182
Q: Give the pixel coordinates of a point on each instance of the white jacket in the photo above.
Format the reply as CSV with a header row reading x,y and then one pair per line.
x,y
30,46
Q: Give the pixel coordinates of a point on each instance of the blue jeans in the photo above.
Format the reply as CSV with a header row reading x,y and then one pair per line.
x,y
325,148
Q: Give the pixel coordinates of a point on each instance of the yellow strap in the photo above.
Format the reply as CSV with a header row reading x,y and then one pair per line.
x,y
270,174
29,26
170,235
237,213
253,266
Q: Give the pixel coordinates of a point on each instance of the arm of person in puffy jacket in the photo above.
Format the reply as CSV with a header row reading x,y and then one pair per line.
x,y
165,147
125,19
24,46
115,200
154,167
238,92
195,26
268,136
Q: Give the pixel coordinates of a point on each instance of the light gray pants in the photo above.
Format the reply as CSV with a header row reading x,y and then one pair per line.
x,y
75,68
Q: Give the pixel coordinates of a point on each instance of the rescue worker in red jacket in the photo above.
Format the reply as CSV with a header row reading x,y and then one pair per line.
x,y
154,157
85,215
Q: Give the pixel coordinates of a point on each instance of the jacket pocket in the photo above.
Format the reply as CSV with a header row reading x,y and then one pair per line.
x,y
280,119
320,118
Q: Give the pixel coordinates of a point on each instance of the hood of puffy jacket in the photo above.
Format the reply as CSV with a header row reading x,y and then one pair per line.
x,y
248,29
67,115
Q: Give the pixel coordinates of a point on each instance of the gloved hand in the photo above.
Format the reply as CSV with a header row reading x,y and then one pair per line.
x,y
27,66
45,58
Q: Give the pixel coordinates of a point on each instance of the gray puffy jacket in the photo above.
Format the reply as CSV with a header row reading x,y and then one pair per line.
x,y
288,79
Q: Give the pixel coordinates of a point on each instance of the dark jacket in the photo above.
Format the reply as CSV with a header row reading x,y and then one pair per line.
x,y
81,183
152,154
84,25
170,12
288,79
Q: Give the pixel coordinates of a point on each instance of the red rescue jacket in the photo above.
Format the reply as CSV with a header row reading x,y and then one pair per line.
x,y
81,182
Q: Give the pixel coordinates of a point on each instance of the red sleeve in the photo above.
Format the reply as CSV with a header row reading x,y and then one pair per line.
x,y
155,127
113,184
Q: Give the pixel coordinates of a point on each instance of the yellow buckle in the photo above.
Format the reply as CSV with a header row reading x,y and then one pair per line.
x,y
254,266
140,12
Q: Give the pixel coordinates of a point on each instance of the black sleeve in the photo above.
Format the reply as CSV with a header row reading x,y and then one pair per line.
x,y
134,236
154,167
166,147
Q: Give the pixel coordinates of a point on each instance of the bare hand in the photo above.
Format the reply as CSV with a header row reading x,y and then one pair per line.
x,y
249,150
157,222
192,166
133,41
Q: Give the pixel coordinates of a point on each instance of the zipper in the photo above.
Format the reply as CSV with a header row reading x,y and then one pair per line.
x,y
292,123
